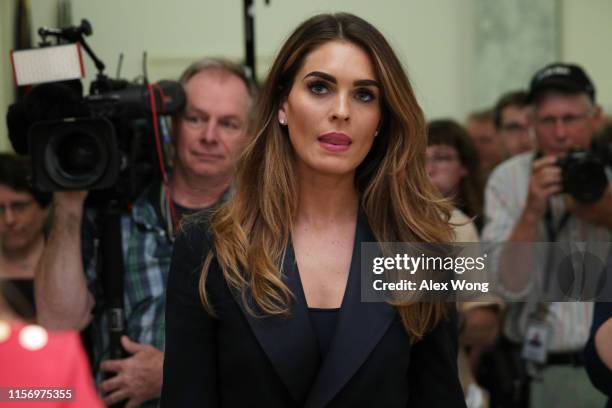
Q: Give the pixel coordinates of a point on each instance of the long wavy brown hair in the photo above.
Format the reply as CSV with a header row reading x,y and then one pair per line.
x,y
252,231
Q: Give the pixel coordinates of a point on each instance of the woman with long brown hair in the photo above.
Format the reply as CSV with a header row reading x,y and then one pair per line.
x,y
264,305
454,168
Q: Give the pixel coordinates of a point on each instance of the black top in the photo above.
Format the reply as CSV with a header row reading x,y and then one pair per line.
x,y
19,294
183,211
324,325
600,374
158,199
238,359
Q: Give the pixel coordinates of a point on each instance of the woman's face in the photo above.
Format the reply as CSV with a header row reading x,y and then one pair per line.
x,y
444,168
333,109
21,219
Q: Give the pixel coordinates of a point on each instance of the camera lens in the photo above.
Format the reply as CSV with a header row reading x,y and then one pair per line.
x,y
584,178
77,155
76,159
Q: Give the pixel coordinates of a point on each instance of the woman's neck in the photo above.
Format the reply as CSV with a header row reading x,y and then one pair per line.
x,y
326,200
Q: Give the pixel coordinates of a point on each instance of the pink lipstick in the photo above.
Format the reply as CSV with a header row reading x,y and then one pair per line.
x,y
335,141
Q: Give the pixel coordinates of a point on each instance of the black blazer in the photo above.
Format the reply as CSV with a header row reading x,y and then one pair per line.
x,y
599,373
239,360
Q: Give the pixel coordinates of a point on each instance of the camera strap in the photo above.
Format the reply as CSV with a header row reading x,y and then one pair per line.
x,y
172,213
551,231
169,211
166,214
539,331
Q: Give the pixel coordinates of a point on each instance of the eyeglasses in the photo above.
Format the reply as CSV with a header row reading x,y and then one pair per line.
x,y
17,207
514,128
566,120
442,158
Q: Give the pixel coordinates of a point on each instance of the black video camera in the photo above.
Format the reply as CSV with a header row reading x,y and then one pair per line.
x,y
583,172
103,141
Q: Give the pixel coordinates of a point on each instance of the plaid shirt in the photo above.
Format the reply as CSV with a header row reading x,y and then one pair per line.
x,y
147,251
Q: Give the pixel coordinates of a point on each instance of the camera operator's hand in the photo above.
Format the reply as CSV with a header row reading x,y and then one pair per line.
x,y
544,182
70,202
598,213
63,300
139,377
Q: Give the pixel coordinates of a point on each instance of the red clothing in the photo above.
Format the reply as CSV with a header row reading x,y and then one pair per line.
x,y
60,362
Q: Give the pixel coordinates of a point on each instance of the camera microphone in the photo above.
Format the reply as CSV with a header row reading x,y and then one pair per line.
x,y
72,33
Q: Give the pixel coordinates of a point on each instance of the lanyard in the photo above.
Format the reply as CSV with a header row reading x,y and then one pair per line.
x,y
167,214
553,234
551,231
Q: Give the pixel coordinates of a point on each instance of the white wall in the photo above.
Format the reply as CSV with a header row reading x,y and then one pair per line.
x,y
172,33
433,38
43,13
587,40
6,78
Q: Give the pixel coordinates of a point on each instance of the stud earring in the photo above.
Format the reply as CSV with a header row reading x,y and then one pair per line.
x,y
376,133
282,121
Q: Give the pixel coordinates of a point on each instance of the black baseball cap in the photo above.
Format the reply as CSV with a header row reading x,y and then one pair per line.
x,y
562,77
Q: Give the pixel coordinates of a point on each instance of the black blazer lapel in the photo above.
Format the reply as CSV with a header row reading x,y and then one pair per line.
x,y
289,342
360,328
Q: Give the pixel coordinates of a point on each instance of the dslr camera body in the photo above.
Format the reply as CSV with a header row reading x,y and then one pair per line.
x,y
584,173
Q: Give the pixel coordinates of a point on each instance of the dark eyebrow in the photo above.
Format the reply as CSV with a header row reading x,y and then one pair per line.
x,y
329,78
366,82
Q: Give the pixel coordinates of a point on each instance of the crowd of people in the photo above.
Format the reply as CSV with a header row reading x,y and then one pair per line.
x,y
253,298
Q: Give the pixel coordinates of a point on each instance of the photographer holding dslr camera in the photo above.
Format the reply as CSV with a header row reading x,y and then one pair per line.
x,y
207,139
556,194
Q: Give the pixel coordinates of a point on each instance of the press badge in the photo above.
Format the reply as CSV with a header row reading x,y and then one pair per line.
x,y
537,341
